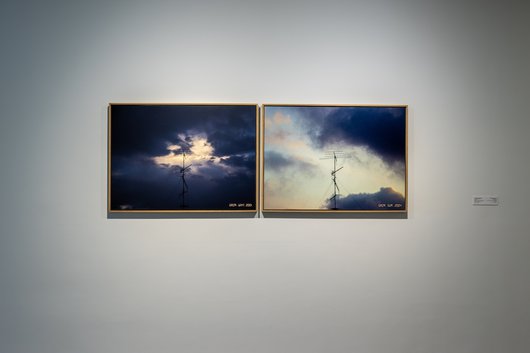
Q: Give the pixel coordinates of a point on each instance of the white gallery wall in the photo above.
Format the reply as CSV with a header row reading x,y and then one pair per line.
x,y
452,278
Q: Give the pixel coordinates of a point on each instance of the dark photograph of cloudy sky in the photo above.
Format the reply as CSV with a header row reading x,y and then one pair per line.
x,y
182,157
334,158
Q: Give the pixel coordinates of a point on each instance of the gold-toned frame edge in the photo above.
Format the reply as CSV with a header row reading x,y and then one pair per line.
x,y
109,162
309,211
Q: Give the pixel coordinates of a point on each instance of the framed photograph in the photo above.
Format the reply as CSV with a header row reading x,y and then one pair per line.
x,y
334,158
182,157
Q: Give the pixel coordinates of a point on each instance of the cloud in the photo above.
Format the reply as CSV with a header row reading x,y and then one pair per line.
x,y
199,150
137,129
382,130
203,159
279,119
277,162
214,189
385,199
228,140
245,161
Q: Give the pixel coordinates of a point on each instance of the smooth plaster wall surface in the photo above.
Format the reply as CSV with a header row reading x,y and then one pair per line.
x,y
452,278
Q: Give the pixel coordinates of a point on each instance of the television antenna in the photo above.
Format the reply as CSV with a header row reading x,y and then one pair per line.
x,y
335,155
183,171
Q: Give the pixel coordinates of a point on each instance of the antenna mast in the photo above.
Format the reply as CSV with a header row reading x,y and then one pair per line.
x,y
183,171
336,190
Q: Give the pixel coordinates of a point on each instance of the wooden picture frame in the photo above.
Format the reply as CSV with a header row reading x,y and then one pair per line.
x,y
182,158
334,158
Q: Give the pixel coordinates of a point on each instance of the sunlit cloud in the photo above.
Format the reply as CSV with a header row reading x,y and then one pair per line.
x,y
280,119
201,157
200,150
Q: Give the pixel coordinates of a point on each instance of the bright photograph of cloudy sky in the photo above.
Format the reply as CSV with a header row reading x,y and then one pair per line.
x,y
301,173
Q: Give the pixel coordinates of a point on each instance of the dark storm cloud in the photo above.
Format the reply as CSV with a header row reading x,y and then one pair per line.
x,y
384,199
246,161
136,168
155,188
139,183
232,139
276,161
137,129
380,129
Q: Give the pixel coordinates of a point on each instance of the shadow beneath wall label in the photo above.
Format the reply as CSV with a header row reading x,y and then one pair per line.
x,y
335,215
172,215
